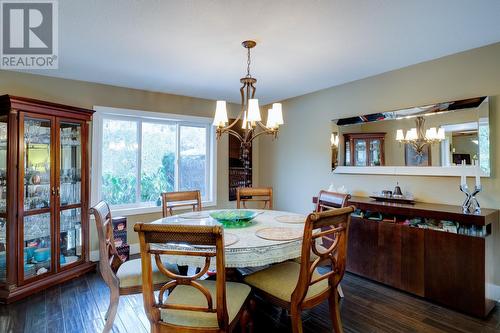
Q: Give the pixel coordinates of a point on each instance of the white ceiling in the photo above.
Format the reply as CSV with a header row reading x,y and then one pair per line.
x,y
192,47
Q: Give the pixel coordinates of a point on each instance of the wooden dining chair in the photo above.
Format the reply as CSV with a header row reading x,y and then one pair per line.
x,y
331,200
255,194
296,287
172,200
327,201
192,305
122,277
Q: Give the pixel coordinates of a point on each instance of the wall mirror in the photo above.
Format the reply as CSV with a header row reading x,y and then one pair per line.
x,y
433,139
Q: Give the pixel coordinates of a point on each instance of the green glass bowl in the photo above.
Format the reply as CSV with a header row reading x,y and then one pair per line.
x,y
234,218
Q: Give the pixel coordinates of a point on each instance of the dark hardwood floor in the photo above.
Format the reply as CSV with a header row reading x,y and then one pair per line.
x,y
79,306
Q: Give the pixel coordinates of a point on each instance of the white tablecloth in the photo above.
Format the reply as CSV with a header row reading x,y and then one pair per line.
x,y
250,250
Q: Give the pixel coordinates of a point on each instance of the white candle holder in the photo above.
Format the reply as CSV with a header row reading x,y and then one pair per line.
x,y
471,205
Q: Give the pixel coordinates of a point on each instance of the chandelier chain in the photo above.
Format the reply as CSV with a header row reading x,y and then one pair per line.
x,y
248,63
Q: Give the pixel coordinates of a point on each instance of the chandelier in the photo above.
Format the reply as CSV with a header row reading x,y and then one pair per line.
x,y
251,121
250,113
416,137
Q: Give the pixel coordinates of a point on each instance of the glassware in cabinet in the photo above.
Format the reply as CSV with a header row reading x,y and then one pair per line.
x,y
37,245
37,159
3,164
3,249
360,156
375,153
70,173
70,236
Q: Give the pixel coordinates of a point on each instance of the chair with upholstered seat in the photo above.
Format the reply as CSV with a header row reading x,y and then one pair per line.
x,y
171,200
330,200
122,277
192,305
326,201
254,194
295,286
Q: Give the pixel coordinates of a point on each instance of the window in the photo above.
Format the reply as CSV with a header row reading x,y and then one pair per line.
x,y
138,155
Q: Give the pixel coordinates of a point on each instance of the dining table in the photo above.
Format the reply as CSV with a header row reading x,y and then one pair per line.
x,y
271,237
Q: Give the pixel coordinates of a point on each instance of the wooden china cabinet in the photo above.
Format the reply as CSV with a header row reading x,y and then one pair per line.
x,y
44,191
364,149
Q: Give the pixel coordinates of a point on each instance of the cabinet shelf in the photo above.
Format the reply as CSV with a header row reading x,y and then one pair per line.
x,y
33,185
71,183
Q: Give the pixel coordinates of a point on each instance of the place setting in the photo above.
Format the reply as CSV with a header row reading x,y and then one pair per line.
x,y
280,233
291,219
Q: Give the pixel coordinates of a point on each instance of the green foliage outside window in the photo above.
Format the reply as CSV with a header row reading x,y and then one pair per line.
x,y
163,180
118,190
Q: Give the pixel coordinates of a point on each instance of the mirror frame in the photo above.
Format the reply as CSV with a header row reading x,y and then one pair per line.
x,y
438,171
469,171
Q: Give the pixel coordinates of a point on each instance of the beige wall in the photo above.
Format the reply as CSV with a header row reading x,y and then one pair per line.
x,y
297,165
87,95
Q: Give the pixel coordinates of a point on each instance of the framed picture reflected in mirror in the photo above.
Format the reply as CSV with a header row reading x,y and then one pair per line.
x,y
412,158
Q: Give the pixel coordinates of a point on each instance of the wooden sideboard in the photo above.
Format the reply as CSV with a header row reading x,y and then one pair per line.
x,y
453,269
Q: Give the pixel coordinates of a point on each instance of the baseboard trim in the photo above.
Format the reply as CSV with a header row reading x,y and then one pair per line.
x,y
493,291
134,249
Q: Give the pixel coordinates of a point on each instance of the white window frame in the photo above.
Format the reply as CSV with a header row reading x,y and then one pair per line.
x,y
104,112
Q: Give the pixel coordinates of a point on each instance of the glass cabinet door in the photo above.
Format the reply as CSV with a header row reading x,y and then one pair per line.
x,y
3,198
347,153
70,173
37,168
3,165
70,241
36,187
375,153
360,153
3,249
70,193
37,245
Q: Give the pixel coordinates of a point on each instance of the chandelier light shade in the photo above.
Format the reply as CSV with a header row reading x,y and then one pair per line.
x,y
244,123
278,113
400,135
271,119
334,140
253,111
411,135
220,119
416,137
440,134
274,116
431,133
